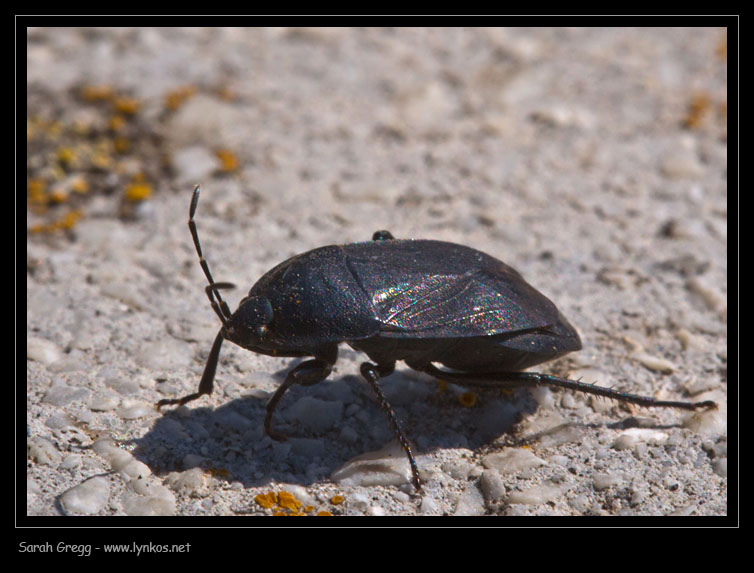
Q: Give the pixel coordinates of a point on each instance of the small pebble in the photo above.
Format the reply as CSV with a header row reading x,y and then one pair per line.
x,y
145,506
88,497
125,293
148,497
387,466
537,495
470,502
512,460
136,470
103,402
712,297
134,411
122,386
654,363
41,350
42,451
605,480
428,506
358,502
459,469
70,462
117,457
190,482
681,164
58,421
492,486
61,394
709,423
629,438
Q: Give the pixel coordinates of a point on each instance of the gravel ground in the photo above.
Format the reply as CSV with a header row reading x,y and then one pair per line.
x,y
592,160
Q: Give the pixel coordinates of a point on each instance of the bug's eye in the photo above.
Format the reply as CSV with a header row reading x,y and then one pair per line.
x,y
257,311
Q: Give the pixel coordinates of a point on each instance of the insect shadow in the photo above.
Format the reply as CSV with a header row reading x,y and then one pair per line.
x,y
326,425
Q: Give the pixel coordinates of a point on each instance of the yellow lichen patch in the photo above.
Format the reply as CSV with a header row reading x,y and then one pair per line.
x,y
267,500
97,93
101,157
138,191
175,98
69,220
122,144
226,93
66,222
80,185
442,386
467,399
698,108
286,500
116,122
58,195
228,160
37,191
126,105
66,156
285,503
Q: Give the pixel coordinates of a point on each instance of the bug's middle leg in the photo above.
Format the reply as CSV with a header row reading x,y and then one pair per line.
x,y
307,373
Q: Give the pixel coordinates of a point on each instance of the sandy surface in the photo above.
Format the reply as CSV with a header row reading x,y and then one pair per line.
x,y
592,160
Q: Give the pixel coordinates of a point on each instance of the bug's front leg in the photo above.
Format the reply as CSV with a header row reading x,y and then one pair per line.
x,y
206,383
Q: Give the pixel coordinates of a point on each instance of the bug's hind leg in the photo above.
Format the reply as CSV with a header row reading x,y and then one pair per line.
x,y
372,373
533,379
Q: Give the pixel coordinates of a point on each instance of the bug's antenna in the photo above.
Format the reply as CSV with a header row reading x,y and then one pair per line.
x,y
213,289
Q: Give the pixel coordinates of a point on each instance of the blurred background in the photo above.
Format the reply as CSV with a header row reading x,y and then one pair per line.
x,y
592,160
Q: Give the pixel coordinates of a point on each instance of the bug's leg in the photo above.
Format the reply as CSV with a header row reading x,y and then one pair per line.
x,y
373,373
208,377
533,379
307,373
382,236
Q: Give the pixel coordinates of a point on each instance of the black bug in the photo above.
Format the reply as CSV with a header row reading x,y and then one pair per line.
x,y
417,301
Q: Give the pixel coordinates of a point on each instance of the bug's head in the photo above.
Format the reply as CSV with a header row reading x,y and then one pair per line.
x,y
249,325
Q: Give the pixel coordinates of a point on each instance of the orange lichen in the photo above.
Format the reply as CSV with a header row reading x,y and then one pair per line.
x,y
175,98
267,500
228,160
138,191
126,105
286,500
97,93
698,108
